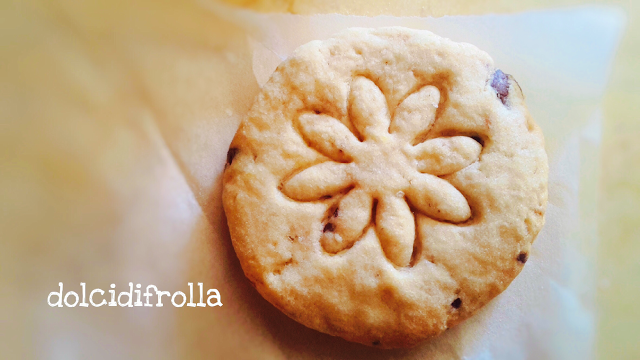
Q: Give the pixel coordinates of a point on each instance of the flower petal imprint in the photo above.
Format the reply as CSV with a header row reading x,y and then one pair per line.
x,y
354,156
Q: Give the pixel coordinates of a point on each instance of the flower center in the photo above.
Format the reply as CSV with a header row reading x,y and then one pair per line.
x,y
383,167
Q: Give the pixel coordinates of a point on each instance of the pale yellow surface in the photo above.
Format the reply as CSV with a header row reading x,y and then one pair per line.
x,y
87,89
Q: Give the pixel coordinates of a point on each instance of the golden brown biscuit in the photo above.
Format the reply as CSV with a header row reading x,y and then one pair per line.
x,y
385,185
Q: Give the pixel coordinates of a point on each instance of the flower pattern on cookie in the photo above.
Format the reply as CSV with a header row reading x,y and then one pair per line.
x,y
377,173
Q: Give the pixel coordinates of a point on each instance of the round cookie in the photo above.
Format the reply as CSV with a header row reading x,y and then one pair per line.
x,y
385,185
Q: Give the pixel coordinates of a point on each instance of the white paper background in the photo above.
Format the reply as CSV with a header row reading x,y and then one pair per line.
x,y
561,60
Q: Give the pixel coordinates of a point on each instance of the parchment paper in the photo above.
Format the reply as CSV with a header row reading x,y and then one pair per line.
x,y
123,124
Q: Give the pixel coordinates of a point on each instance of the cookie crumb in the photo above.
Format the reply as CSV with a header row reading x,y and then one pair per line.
x,y
456,303
522,257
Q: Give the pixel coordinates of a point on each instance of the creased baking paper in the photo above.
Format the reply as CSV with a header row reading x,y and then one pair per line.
x,y
119,129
